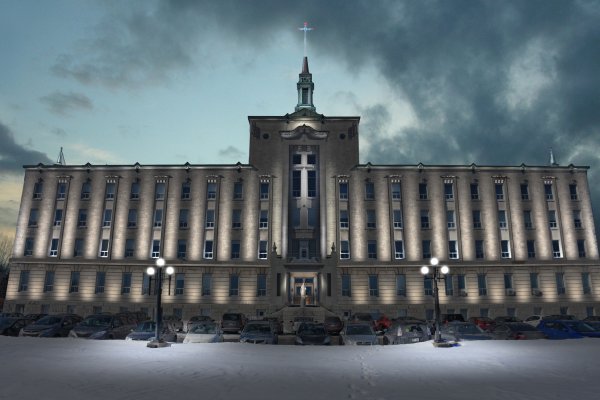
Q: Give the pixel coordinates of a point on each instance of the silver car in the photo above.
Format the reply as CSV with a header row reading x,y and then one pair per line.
x,y
358,333
103,326
406,331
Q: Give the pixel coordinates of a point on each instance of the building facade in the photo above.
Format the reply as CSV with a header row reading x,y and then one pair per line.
x,y
305,224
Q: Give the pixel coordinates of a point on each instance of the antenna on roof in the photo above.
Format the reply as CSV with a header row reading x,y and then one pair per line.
x,y
553,163
61,158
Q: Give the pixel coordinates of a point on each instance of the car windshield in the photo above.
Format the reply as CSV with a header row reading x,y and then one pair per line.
x,y
6,322
579,326
97,320
204,329
231,317
145,327
312,330
257,328
358,330
49,320
468,329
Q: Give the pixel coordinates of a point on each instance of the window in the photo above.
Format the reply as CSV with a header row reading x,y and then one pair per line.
x,y
548,191
261,285
263,222
78,248
206,284
502,219
186,190
452,250
159,191
581,248
450,219
210,219
482,284
86,190
179,283
135,191
234,282
82,218
183,218
61,191
344,250
100,279
33,217
155,249
262,250
211,190
208,249
577,218
344,219
508,281
398,250
533,281
556,253
372,249
423,191
104,248
129,248
236,219
28,251
312,183
524,191
58,214
373,286
158,215
343,190
132,218
499,191
448,285
49,281
235,249
126,283
426,247
552,219
479,249
586,283
461,281
400,285
573,191
530,249
107,219
238,191
527,219
38,188
427,286
504,249
397,219
181,248
23,281
474,191
346,285
425,219
311,159
396,191
369,191
74,283
296,159
560,283
54,248
110,191
264,190
371,219
296,183
448,191
477,219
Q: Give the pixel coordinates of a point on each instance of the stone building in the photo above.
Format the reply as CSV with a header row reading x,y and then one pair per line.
x,y
305,227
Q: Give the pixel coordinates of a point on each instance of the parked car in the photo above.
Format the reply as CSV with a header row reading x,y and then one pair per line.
x,y
172,322
364,317
593,323
406,331
358,333
299,320
333,325
506,318
276,324
103,326
196,319
567,329
11,326
533,320
262,332
204,332
147,331
458,331
312,334
34,317
484,323
516,331
58,325
11,314
563,317
447,318
383,323
233,322
592,318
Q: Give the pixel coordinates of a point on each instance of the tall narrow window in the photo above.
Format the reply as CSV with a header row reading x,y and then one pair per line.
x,y
28,250
238,191
234,282
449,285
183,218
78,248
400,285
577,219
135,191
548,191
426,247
49,281
211,190
461,281
126,283
448,191
482,284
499,191
371,219
23,281
560,283
586,283
343,190
33,217
58,215
397,219
344,250
206,284
236,219
155,249
182,248
262,250
425,219
344,219
552,219
106,221
508,281
373,285
524,191
186,190
129,248
479,249
312,183
235,249
261,285
86,190
396,191
427,286
54,248
573,191
556,253
264,190
100,279
369,191
208,249
504,249
110,190
82,218
61,191
145,284
179,283
530,249
450,220
502,219
296,183
158,217
74,283
104,248
263,222
398,249
423,191
474,191
477,219
581,248
159,193
132,218
346,285
534,282
527,219
452,250
210,219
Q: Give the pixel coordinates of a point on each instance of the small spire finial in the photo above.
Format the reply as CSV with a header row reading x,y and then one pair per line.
x,y
305,29
61,158
552,160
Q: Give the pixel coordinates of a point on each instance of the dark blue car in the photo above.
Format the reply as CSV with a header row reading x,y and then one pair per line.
x,y
567,329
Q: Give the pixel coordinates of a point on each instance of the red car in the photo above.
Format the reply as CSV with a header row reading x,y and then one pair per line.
x,y
484,323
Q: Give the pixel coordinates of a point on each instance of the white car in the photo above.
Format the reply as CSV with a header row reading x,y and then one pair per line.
x,y
204,332
533,320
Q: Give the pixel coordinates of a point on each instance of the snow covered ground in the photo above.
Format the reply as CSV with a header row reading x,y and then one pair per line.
x,y
35,368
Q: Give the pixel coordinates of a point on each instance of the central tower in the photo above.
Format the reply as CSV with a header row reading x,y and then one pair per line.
x,y
306,88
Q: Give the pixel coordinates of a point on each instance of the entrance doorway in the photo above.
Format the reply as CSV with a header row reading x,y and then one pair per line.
x,y
304,290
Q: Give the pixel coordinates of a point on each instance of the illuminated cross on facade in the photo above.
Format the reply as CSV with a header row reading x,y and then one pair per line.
x,y
305,29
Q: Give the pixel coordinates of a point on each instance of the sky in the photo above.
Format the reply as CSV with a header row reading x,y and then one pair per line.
x,y
169,82
125,370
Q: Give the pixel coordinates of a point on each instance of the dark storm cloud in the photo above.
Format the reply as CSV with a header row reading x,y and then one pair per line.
x,y
13,156
232,154
63,103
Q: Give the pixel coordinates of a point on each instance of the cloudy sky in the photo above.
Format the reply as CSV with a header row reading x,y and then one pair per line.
x,y
438,82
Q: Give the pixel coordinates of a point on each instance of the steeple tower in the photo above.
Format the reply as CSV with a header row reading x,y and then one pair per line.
x,y
306,88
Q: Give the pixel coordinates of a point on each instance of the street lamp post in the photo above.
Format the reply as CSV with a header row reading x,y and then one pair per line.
x,y
160,263
436,270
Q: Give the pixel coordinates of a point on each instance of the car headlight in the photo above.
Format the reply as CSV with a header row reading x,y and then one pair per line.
x,y
98,335
72,334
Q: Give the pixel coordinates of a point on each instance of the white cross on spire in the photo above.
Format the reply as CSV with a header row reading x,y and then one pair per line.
x,y
305,29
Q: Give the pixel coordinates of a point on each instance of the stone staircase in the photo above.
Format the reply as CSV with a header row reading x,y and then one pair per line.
x,y
288,313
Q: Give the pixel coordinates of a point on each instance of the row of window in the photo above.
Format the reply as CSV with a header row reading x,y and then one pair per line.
x,y
147,283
